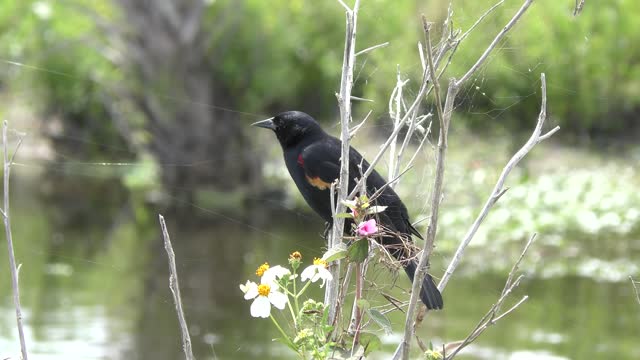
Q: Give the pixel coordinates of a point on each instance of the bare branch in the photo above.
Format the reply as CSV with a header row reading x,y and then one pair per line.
x,y
498,188
578,9
635,288
423,347
549,134
511,309
425,137
413,125
347,8
389,183
7,227
436,194
361,99
394,134
344,101
422,60
495,42
509,283
494,315
482,17
395,116
448,43
362,52
355,324
343,289
355,129
432,73
20,139
175,291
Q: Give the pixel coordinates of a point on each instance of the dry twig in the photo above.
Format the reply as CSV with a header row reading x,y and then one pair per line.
x,y
578,8
175,291
498,190
344,100
635,288
8,161
445,118
495,42
494,315
362,52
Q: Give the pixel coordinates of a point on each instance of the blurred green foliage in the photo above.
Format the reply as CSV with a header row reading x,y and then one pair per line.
x,y
591,65
63,71
281,54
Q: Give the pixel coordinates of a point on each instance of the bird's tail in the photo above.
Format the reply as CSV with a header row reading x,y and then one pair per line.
x,y
429,293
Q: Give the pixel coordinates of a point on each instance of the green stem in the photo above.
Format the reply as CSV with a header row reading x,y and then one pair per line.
x,y
295,297
284,335
293,315
304,289
285,289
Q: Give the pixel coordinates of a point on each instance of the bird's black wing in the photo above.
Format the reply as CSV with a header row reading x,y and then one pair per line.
x,y
321,163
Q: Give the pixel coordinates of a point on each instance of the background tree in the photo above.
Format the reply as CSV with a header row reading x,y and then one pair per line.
x,y
153,81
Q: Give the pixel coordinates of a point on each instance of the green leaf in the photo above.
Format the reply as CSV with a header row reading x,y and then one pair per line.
x,y
380,319
363,304
370,341
359,250
351,204
335,253
345,215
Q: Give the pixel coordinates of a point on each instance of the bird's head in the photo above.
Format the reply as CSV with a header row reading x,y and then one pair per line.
x,y
292,127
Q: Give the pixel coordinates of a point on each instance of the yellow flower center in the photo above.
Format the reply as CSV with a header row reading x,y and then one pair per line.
x,y
295,255
264,289
318,261
262,268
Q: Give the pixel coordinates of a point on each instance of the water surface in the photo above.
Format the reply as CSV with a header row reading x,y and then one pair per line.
x,y
94,284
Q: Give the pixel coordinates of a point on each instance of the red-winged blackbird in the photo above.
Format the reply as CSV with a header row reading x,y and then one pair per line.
x,y
313,159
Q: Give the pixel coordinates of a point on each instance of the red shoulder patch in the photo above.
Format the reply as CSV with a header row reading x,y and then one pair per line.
x,y
300,160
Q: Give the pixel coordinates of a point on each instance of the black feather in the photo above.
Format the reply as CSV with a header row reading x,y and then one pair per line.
x,y
313,159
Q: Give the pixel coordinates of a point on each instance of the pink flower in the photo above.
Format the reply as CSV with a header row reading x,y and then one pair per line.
x,y
367,227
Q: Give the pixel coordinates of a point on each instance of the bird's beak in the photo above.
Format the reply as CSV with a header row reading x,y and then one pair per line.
x,y
267,124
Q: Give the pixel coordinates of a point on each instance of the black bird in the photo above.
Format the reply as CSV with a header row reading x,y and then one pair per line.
x,y
313,159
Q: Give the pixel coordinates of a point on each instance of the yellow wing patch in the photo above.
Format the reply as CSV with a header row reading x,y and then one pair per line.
x,y
317,182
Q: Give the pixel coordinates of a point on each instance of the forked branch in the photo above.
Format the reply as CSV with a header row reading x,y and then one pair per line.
x,y
344,100
444,115
175,291
635,288
494,314
498,189
8,161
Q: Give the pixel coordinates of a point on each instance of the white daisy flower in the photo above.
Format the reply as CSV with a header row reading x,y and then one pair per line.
x,y
274,273
264,296
316,272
